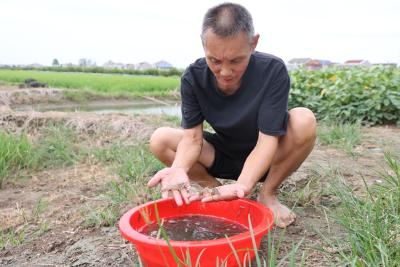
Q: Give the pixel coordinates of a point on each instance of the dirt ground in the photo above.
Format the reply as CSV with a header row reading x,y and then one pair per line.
x,y
58,237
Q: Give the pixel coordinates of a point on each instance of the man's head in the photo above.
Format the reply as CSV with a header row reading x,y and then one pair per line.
x,y
228,40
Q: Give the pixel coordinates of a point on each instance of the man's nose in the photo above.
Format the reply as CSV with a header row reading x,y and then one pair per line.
x,y
225,70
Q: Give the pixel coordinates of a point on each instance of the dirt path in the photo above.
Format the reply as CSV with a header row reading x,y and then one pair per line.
x,y
57,236
70,193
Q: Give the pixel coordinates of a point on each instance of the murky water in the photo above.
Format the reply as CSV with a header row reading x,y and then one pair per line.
x,y
173,109
194,228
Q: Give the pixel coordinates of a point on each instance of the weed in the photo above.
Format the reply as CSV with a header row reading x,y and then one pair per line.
x,y
138,164
15,154
39,208
343,136
103,217
12,238
371,221
56,147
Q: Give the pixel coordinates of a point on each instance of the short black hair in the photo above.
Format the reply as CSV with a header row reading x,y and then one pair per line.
x,y
228,19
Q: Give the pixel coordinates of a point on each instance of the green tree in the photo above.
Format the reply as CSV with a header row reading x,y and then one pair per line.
x,y
55,63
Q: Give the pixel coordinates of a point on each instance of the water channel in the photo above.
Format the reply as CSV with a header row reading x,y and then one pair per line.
x,y
104,107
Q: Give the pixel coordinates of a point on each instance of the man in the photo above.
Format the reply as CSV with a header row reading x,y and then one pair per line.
x,y
243,95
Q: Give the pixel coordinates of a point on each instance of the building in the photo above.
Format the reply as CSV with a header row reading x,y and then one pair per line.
x,y
35,65
130,66
387,64
316,64
163,65
113,65
296,63
357,63
144,66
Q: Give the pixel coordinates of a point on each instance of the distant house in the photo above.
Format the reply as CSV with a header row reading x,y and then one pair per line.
x,y
388,64
68,65
144,66
113,65
315,64
163,65
296,63
357,63
35,65
130,66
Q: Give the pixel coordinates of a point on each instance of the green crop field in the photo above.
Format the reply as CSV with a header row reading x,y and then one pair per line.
x,y
102,83
369,95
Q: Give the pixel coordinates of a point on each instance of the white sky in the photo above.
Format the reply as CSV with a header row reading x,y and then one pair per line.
x,y
37,31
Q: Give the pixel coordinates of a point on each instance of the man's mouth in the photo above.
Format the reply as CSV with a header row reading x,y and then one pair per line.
x,y
224,80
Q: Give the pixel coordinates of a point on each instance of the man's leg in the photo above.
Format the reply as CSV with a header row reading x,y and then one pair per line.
x,y
163,144
293,149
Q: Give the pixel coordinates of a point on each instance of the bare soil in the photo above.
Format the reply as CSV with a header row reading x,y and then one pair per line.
x,y
72,192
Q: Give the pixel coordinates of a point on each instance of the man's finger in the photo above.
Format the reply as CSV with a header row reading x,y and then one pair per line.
x,y
194,197
240,193
178,197
213,198
155,180
185,195
157,177
164,194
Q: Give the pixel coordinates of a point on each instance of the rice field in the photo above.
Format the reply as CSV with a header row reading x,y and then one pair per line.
x,y
112,84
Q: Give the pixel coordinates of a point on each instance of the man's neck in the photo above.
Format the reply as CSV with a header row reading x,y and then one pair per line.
x,y
229,91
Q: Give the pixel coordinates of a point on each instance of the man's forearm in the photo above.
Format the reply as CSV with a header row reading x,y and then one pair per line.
x,y
258,162
187,153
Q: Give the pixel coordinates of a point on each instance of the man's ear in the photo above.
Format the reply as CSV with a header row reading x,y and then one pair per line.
x,y
254,42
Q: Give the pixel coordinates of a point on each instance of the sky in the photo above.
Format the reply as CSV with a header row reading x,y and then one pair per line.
x,y
153,30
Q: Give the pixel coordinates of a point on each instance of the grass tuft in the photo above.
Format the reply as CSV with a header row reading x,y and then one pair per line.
x,y
370,221
15,154
342,136
56,147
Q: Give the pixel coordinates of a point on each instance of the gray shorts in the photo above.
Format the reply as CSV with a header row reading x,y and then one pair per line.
x,y
224,166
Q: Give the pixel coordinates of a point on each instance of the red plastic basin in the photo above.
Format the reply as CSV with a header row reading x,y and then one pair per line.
x,y
156,252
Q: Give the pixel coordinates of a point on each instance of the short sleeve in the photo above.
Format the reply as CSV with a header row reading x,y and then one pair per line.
x,y
191,111
273,114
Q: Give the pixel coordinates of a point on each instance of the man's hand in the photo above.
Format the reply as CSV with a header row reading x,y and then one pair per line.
x,y
174,180
224,192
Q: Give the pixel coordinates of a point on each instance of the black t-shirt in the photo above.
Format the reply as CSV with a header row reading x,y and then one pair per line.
x,y
260,104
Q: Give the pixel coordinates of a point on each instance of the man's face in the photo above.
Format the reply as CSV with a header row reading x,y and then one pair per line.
x,y
228,58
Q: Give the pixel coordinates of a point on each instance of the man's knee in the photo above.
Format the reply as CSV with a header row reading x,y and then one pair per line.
x,y
159,140
304,125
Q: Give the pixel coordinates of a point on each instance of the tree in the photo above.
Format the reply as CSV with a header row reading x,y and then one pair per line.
x,y
55,63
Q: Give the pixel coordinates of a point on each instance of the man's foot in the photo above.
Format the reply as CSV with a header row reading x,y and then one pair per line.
x,y
282,214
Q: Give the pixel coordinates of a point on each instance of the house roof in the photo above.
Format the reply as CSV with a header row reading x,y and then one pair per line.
x,y
163,64
353,61
314,62
299,60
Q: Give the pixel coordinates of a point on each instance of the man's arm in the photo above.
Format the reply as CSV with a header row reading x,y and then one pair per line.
x,y
189,148
255,166
175,178
259,161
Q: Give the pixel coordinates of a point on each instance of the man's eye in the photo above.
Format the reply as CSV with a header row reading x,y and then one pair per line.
x,y
215,61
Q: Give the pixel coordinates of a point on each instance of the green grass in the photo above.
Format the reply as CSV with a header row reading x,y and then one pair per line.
x,y
56,147
371,222
39,208
15,154
134,164
12,238
343,136
114,85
